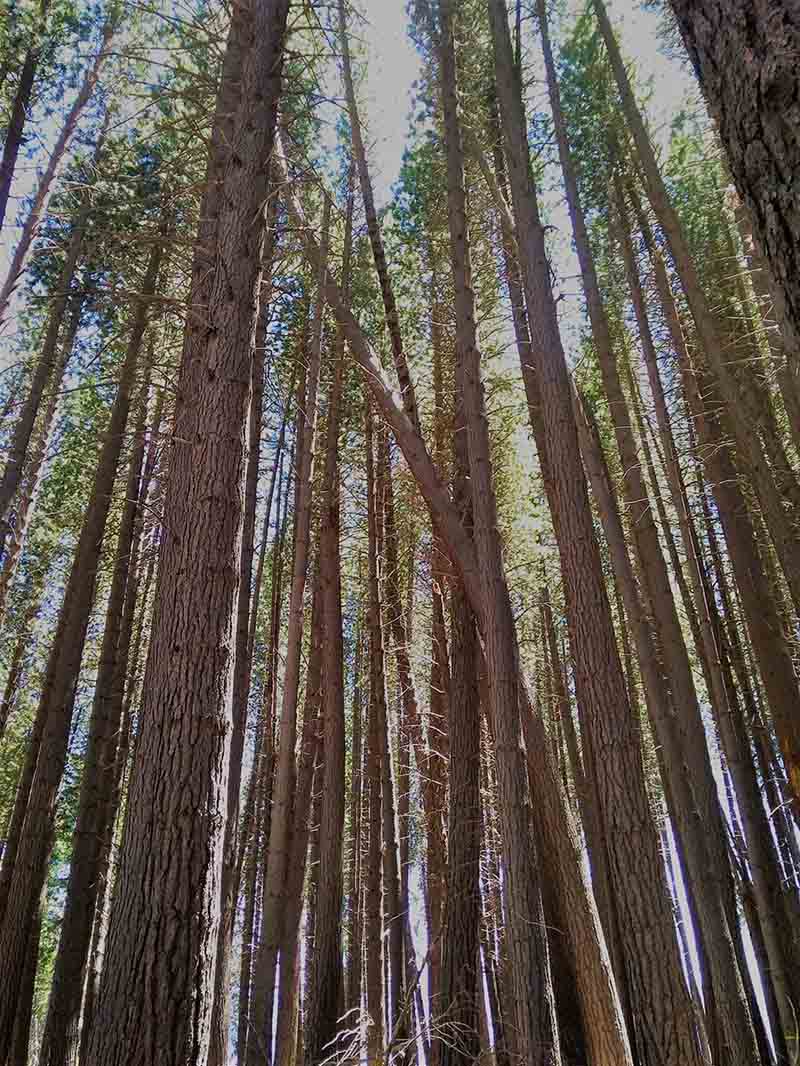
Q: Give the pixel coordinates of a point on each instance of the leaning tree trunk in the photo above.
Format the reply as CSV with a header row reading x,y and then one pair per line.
x,y
744,55
599,1001
25,868
43,374
41,197
155,1006
19,109
25,502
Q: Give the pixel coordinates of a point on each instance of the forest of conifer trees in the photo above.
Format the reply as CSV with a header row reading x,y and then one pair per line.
x,y
399,573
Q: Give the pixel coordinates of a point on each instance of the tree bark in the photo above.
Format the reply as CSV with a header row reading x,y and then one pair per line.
x,y
324,995
372,889
24,868
743,55
171,864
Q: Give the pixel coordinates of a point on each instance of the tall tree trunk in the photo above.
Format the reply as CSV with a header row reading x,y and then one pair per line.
x,y
171,864
283,789
457,1021
243,661
306,817
392,914
324,995
41,197
532,988
377,692
658,999
353,895
600,682
25,867
97,785
255,830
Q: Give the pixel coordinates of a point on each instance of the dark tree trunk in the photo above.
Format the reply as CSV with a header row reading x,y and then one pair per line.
x,y
744,54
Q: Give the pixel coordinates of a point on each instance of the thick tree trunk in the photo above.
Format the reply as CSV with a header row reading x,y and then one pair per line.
x,y
658,1000
218,1050
171,863
744,57
24,870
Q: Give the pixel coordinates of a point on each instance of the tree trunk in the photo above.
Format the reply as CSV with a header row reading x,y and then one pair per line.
x,y
171,864
324,995
283,789
41,197
377,692
532,989
34,467
42,375
97,786
243,662
743,55
19,108
25,867
456,1024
